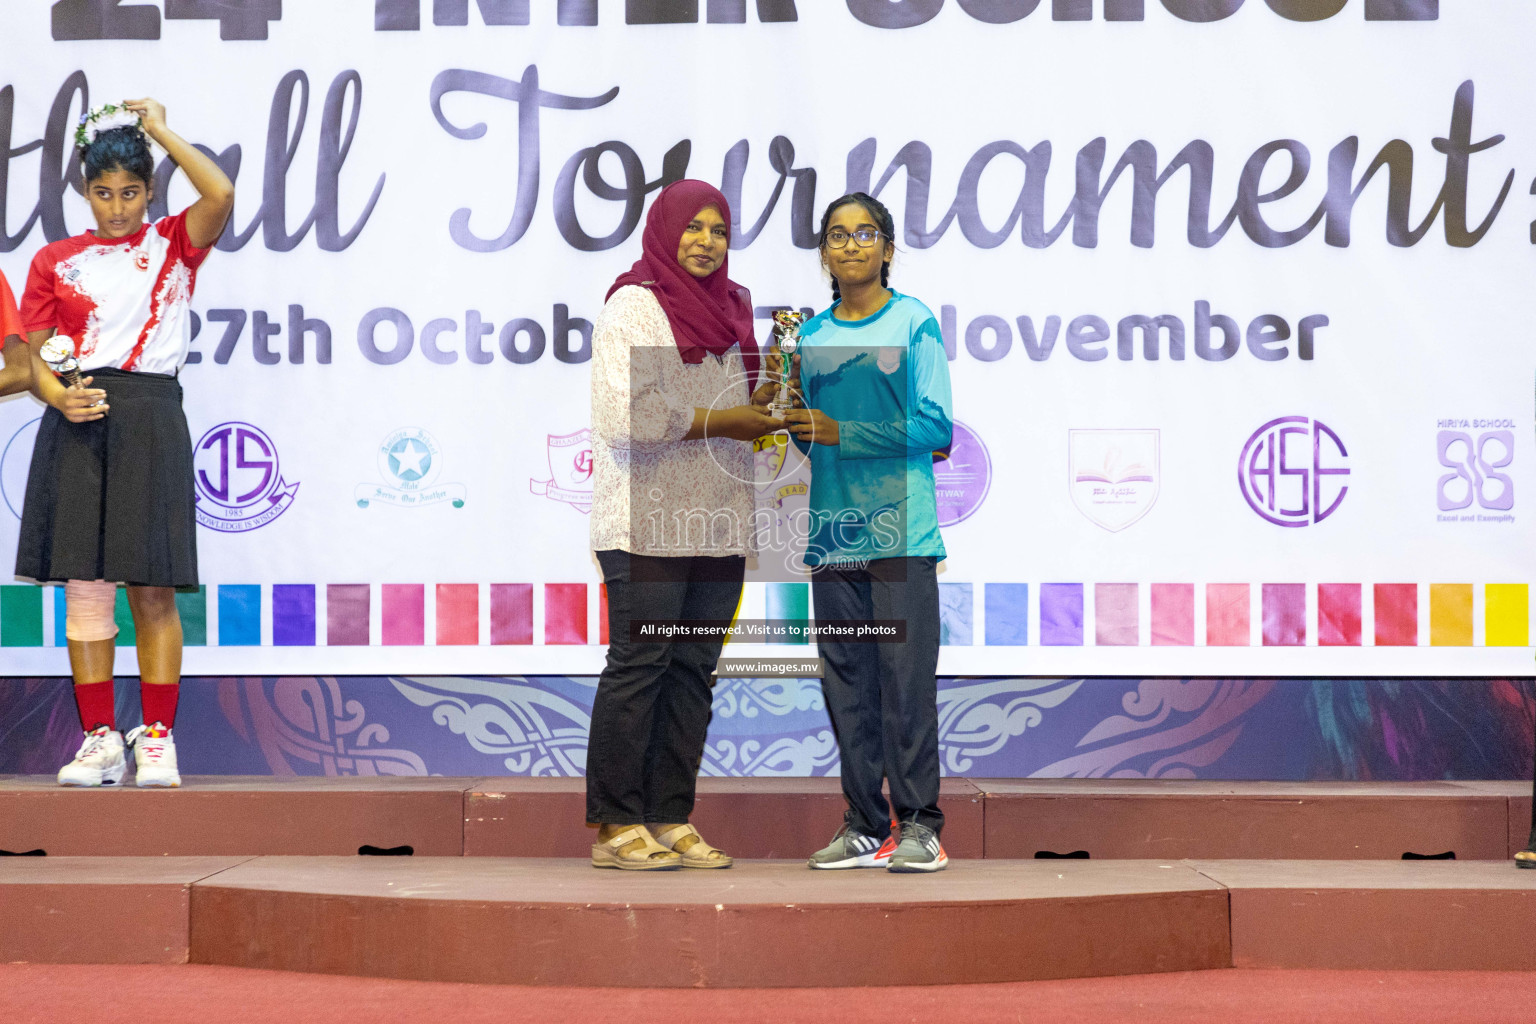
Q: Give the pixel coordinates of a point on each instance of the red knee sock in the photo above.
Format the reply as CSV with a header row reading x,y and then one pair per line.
x,y
159,701
94,701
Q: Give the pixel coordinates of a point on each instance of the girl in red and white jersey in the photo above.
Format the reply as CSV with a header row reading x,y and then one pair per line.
x,y
110,497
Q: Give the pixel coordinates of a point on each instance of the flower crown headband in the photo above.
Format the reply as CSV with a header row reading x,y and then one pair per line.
x,y
105,118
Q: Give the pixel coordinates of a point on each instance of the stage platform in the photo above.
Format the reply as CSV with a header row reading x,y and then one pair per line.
x,y
536,921
1016,819
490,882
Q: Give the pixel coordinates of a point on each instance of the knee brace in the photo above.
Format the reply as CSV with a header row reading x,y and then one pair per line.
x,y
90,607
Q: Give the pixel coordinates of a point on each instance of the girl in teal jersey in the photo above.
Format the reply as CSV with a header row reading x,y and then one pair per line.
x,y
874,378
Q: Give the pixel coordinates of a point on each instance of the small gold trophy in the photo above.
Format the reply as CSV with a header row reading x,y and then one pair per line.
x,y
787,322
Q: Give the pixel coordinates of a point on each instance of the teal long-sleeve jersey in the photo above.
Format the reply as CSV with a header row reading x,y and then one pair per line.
x,y
885,380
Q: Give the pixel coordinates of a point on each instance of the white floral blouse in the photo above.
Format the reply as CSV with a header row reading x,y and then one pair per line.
x,y
654,493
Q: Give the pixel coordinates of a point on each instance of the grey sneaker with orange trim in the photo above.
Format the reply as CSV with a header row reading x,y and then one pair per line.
x,y
852,849
919,850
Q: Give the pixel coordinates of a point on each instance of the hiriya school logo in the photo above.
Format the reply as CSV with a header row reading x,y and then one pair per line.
x,y
1475,450
1114,475
240,483
1293,471
410,461
963,477
570,470
20,434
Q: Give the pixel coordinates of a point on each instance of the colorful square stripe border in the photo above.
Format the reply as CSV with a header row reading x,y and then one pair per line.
x,y
1049,613
1221,614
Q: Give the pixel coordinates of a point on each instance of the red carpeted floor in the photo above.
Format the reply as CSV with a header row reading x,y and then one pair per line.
x,y
37,993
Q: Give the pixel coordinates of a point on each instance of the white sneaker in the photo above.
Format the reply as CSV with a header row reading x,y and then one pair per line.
x,y
154,754
98,762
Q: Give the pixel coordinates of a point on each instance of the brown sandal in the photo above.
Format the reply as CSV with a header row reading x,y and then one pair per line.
x,y
700,854
611,854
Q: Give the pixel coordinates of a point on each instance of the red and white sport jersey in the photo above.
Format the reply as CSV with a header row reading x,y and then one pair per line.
x,y
125,301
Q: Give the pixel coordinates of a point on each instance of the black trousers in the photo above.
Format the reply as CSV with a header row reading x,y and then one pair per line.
x,y
652,708
883,697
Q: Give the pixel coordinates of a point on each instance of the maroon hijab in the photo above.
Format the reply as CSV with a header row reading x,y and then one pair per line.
x,y
709,315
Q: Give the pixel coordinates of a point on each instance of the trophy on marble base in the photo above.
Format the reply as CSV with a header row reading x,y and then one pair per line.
x,y
787,322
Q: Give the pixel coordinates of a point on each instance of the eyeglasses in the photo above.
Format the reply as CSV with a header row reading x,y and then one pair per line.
x,y
866,237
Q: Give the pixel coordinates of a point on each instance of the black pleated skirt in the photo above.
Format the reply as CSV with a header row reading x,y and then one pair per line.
x,y
113,499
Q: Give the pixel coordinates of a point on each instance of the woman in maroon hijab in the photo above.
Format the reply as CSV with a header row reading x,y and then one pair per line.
x,y
674,365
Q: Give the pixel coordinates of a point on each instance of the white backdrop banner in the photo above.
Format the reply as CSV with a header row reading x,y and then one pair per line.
x,y
1236,296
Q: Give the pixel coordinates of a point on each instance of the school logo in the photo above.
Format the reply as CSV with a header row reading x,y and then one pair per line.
x,y
787,492
1294,471
410,460
570,470
1475,451
768,456
16,456
239,479
962,476
1114,476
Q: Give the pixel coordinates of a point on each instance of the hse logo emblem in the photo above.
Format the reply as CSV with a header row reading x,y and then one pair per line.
x,y
1294,471
239,480
570,470
1114,475
410,461
962,477
1474,461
